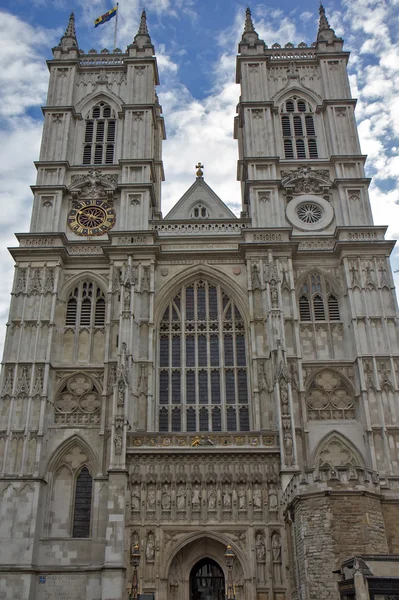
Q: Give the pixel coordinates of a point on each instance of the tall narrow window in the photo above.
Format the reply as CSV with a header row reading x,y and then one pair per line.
x,y
203,362
317,301
84,323
99,140
299,135
82,505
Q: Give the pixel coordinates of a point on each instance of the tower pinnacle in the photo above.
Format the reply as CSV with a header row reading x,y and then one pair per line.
x,y
143,29
249,26
325,32
69,39
70,30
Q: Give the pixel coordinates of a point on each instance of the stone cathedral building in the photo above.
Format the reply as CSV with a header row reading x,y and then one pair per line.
x,y
195,381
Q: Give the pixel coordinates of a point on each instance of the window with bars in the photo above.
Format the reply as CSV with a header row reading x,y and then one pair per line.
x,y
203,377
317,300
82,504
85,317
298,129
99,141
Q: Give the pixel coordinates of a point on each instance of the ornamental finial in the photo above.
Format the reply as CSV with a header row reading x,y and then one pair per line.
x,y
199,168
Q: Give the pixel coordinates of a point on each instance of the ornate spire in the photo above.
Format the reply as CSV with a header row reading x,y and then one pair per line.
x,y
143,29
70,30
249,35
69,40
324,25
142,37
249,26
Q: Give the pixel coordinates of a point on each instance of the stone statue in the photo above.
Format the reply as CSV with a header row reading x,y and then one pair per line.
x,y
151,497
276,547
226,498
211,498
150,548
242,497
260,548
135,498
257,498
135,541
273,500
181,497
165,499
196,497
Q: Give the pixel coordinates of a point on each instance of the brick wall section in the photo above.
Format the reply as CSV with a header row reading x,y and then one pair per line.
x,y
391,513
329,529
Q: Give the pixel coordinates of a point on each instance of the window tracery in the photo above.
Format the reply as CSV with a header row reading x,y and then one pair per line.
x,y
78,402
317,300
99,141
298,129
328,397
202,362
200,211
84,323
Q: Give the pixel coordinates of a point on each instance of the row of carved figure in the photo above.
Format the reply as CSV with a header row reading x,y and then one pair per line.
x,y
195,496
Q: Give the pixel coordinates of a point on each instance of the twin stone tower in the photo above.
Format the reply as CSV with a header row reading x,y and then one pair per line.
x,y
173,386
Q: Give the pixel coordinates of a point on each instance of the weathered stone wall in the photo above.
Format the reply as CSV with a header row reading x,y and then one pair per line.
x,y
390,513
329,529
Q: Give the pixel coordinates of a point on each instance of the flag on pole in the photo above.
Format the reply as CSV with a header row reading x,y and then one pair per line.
x,y
106,17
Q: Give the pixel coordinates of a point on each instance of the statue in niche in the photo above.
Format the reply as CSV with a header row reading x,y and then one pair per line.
x,y
242,497
255,277
284,398
135,498
126,298
134,541
273,500
273,294
212,498
165,499
150,548
288,447
196,497
151,498
276,556
260,548
226,498
257,497
181,497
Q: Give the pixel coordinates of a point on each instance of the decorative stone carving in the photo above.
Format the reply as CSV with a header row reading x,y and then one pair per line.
x,y
48,285
226,497
335,452
242,497
35,283
151,497
181,497
145,285
276,556
256,284
118,437
128,274
95,184
23,382
329,398
260,547
150,548
8,381
306,180
135,498
166,500
212,497
20,285
257,497
196,497
122,377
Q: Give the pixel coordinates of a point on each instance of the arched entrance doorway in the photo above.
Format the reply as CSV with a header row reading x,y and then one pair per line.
x,y
207,581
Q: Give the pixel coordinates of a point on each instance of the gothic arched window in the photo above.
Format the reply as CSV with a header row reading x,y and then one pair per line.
x,y
200,211
299,134
82,504
84,322
99,141
203,378
317,300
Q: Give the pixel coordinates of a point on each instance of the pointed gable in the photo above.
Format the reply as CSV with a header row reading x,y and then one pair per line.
x,y
200,196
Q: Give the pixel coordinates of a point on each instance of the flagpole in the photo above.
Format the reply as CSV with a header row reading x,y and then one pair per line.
x,y
116,23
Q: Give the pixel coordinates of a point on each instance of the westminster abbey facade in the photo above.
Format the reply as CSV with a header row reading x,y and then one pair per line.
x,y
206,402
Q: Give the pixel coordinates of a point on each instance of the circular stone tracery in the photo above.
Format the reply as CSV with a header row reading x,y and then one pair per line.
x,y
309,212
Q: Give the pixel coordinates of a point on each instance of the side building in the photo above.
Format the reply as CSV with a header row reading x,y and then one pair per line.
x,y
212,397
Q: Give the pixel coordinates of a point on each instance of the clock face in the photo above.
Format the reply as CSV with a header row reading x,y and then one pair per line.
x,y
91,217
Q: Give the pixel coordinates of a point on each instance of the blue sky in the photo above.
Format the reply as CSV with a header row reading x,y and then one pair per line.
x,y
195,43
